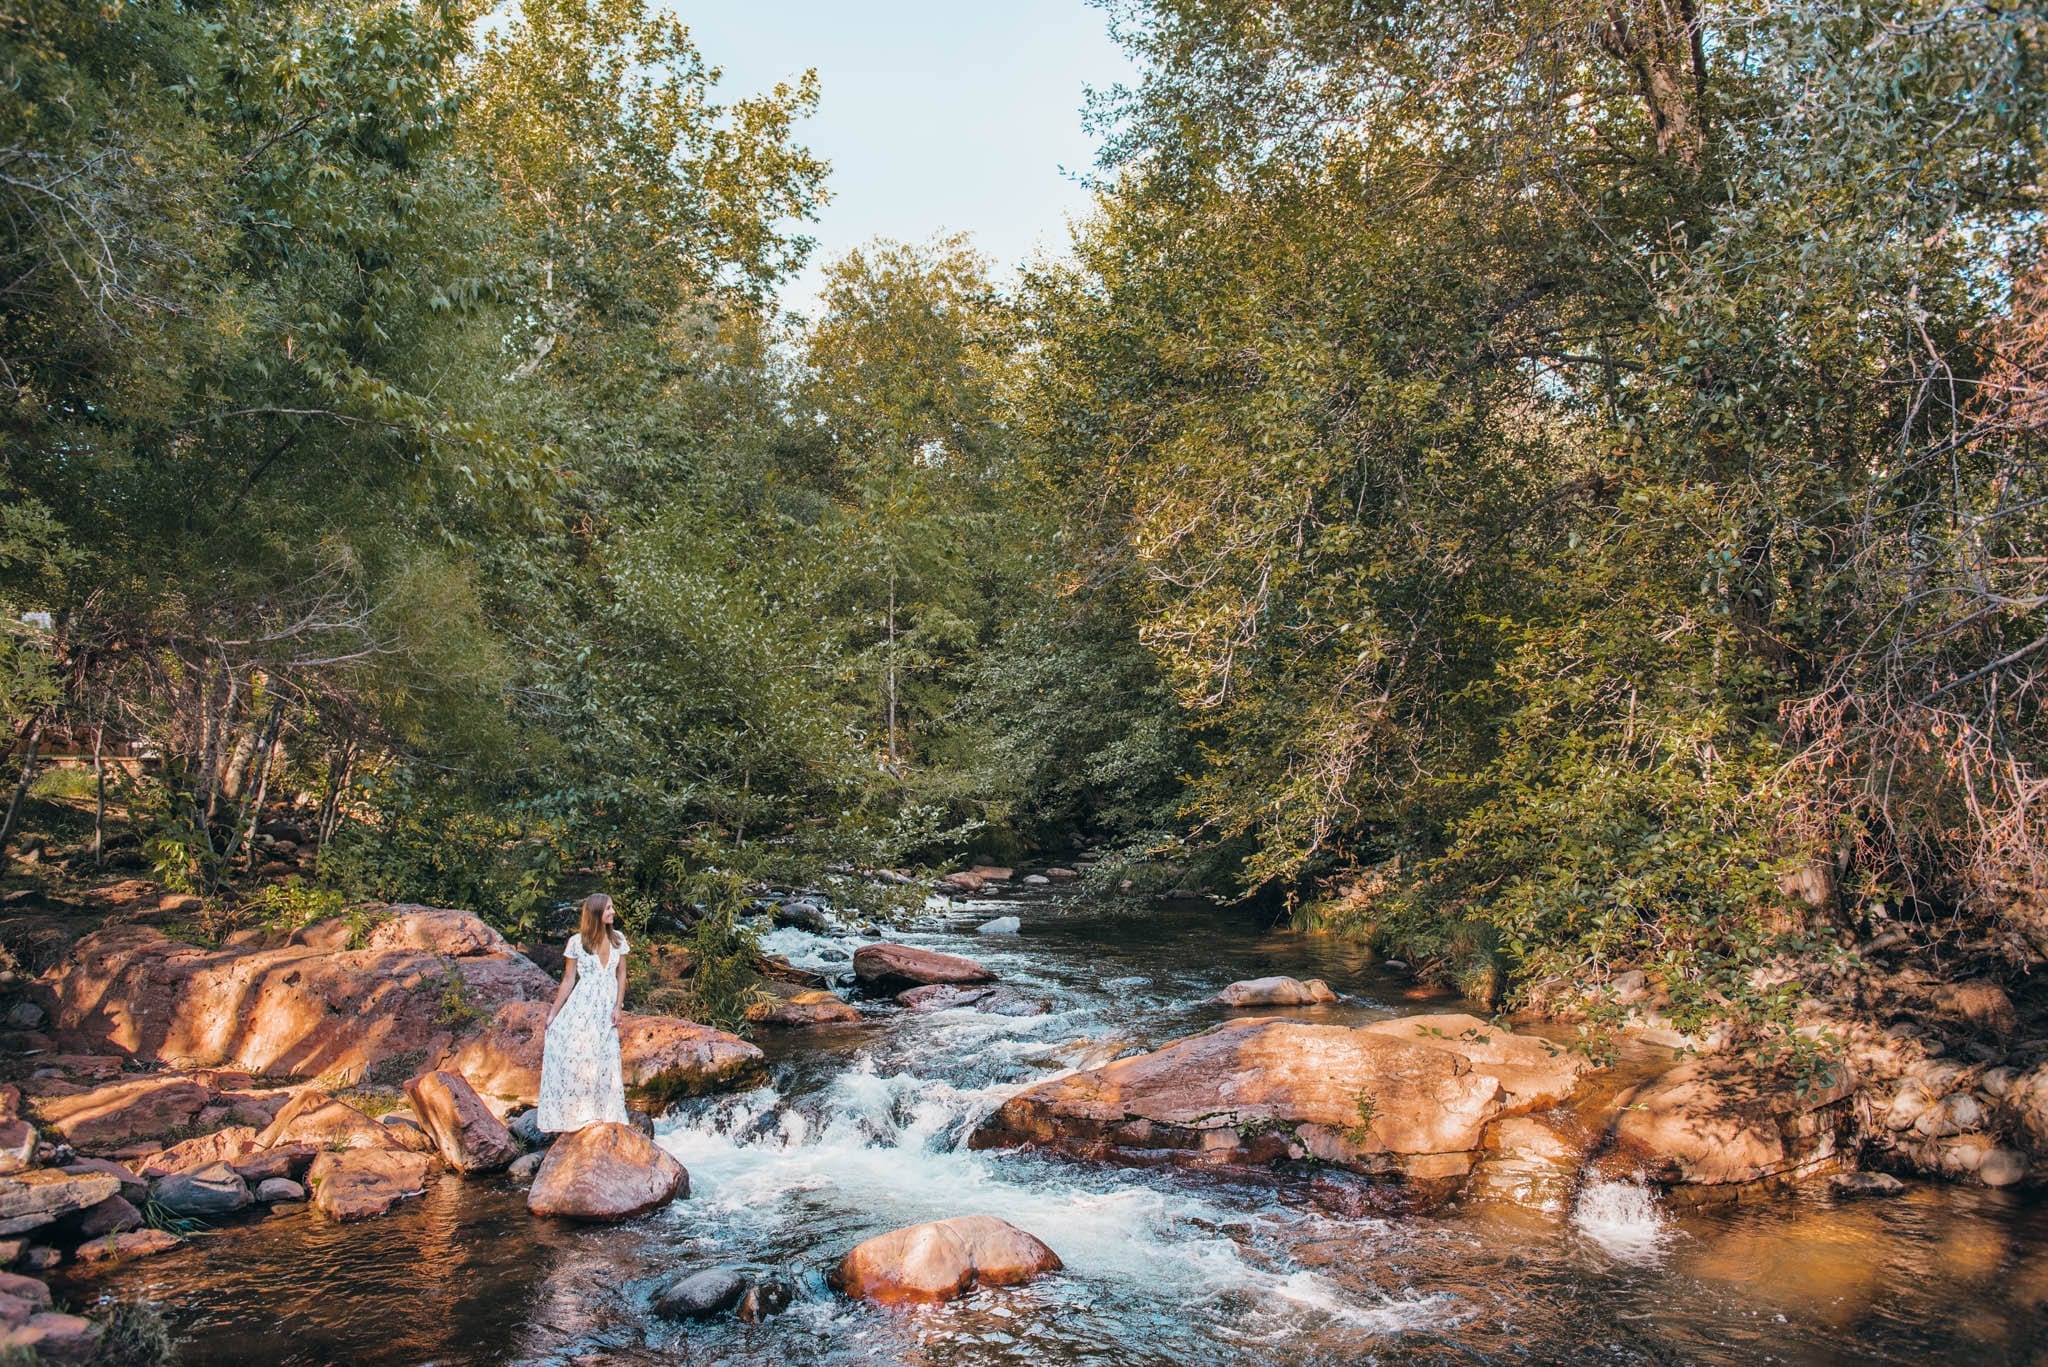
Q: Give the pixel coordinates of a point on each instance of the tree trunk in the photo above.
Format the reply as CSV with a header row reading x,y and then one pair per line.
x,y
99,802
252,811
28,772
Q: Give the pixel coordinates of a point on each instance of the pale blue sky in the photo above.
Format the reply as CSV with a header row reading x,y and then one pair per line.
x,y
936,114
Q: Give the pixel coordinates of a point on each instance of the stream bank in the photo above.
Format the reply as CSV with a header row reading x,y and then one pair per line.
x,y
862,1127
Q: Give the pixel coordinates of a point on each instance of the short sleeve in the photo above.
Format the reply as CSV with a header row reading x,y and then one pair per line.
x,y
623,946
574,949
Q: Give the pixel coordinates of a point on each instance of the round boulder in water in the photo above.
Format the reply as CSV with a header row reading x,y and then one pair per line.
x,y
701,1295
804,916
605,1172
1002,925
941,1261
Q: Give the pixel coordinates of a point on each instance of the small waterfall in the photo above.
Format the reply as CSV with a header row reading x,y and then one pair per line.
x,y
1624,1218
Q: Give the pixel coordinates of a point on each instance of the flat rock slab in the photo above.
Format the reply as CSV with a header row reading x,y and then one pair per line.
x,y
356,1184
469,1137
605,1172
30,1200
1277,992
121,1113
312,1006
1719,1122
942,1261
138,1243
895,966
663,1058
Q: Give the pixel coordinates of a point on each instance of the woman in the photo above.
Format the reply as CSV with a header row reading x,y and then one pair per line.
x,y
580,1079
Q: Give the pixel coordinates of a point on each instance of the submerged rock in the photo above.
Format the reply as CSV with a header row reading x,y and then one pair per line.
x,y
1865,1184
1276,992
355,1184
605,1172
990,1001
766,1296
897,966
941,1261
134,1243
701,1295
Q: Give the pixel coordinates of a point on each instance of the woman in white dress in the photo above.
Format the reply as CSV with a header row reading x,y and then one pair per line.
x,y
580,1079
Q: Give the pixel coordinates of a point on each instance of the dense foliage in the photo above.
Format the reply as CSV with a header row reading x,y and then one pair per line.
x,y
1567,456
1556,485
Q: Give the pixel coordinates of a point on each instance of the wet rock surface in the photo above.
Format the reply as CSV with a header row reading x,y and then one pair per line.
x,y
605,1172
941,1261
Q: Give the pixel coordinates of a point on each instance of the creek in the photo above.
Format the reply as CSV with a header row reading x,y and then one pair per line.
x,y
863,1128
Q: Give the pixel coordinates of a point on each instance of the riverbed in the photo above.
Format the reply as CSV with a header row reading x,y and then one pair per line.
x,y
863,1128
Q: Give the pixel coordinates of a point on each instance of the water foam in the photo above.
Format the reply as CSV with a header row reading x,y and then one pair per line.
x,y
1624,1219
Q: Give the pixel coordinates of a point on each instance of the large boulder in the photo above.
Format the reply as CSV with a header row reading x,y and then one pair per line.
x,y
122,1113
30,1200
893,967
1276,992
312,1007
663,1058
355,1184
469,1137
605,1172
942,1260
1722,1122
1256,1091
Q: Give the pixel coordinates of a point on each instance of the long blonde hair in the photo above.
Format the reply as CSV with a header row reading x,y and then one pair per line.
x,y
593,930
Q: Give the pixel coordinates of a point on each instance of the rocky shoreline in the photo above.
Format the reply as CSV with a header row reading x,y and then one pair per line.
x,y
160,1083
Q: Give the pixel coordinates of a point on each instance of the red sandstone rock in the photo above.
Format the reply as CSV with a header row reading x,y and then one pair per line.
x,y
1535,1074
310,1008
30,1200
55,1337
663,1057
1255,1091
942,1260
132,1244
605,1172
317,1119
469,1137
125,1112
355,1184
1716,1121
898,966
238,1146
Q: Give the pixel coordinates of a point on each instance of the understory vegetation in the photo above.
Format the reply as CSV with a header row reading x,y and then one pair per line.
x,y
1555,487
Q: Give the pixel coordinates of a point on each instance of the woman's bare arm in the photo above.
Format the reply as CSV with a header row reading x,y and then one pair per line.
x,y
619,1007
568,985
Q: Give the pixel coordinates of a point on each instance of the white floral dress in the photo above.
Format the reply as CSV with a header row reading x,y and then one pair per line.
x,y
580,1079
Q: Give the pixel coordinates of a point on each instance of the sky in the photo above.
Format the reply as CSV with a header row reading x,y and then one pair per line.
x,y
936,115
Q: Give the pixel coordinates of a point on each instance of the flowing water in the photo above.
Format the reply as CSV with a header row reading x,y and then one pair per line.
x,y
862,1128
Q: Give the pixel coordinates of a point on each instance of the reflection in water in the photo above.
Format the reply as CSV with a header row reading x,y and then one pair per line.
x,y
861,1130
